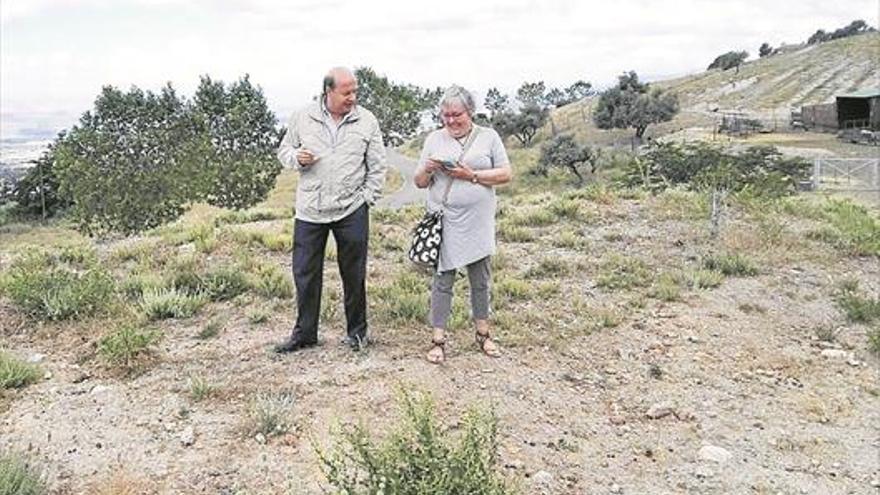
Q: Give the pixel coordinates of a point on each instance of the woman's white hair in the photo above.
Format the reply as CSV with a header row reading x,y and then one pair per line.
x,y
457,94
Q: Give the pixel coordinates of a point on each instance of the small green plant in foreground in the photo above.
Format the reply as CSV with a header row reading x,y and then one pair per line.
x,y
159,304
15,373
124,346
270,414
419,456
856,307
41,287
731,265
20,477
874,341
200,388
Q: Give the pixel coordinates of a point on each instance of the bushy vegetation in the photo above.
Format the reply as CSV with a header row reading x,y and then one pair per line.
x,y
704,166
19,476
857,307
125,346
851,227
138,159
730,264
398,107
633,104
728,60
48,289
563,151
270,414
854,28
419,457
15,373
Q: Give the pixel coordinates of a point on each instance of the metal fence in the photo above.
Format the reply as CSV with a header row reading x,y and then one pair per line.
x,y
847,174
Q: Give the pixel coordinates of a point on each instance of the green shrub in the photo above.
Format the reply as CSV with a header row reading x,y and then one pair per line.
x,y
159,304
533,217
133,287
706,279
549,267
731,265
225,283
18,476
254,215
200,388
405,299
125,345
211,329
510,290
874,341
858,308
184,275
852,227
667,287
706,166
270,282
270,414
48,291
510,232
419,456
258,315
15,373
566,208
619,272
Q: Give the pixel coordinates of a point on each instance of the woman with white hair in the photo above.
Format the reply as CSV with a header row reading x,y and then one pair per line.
x,y
460,165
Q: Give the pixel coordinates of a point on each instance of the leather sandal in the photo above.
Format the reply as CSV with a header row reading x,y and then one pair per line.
x,y
487,345
433,356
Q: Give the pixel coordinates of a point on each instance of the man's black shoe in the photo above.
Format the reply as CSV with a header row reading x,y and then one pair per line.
x,y
356,343
292,345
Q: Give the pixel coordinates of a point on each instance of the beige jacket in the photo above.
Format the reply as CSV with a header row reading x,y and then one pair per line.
x,y
350,170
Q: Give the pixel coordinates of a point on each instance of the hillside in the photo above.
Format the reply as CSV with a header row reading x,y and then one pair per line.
x,y
766,88
642,355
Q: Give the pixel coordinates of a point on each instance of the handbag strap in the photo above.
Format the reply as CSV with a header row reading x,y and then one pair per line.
x,y
475,129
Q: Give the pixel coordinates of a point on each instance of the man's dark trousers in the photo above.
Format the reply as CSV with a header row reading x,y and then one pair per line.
x,y
309,242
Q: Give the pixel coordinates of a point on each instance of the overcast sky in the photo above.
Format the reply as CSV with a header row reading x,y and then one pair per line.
x,y
56,54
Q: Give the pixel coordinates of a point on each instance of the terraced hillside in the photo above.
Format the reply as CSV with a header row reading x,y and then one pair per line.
x,y
766,88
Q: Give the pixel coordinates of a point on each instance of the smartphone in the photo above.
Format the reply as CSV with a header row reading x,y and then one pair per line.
x,y
447,164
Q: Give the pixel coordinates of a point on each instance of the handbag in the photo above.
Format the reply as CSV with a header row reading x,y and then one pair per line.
x,y
427,235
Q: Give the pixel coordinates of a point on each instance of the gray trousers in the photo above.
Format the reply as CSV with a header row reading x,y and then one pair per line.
x,y
479,274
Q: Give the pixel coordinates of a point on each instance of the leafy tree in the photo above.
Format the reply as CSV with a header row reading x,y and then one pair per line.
x,y
241,167
578,91
129,164
852,29
556,98
36,194
398,107
522,125
496,102
633,104
728,60
563,151
532,94
818,37
765,50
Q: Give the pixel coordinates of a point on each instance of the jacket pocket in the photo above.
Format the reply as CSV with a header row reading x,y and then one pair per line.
x,y
308,195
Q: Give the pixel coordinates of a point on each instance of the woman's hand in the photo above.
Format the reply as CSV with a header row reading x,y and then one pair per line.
x,y
462,172
432,166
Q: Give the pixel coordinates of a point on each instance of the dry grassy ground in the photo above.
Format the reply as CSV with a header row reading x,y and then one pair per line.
x,y
632,363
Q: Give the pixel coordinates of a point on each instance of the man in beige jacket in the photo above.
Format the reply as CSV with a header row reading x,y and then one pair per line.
x,y
337,148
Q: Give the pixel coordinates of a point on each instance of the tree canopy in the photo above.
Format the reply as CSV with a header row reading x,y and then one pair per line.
x,y
633,104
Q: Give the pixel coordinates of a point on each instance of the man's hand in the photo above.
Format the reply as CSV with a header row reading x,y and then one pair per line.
x,y
305,157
